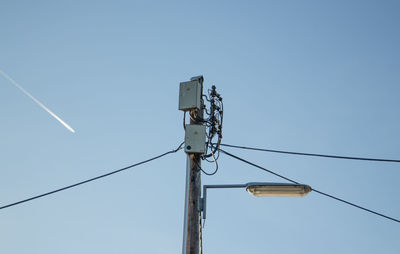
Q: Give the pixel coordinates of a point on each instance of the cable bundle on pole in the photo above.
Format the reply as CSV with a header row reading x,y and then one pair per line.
x,y
213,120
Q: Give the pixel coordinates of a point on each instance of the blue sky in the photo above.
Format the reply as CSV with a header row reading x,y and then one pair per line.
x,y
311,76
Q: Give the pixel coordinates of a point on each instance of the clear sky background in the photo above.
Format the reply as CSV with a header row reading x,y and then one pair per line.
x,y
310,76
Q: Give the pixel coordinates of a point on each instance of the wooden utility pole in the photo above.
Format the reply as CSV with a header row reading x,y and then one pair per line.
x,y
192,226
194,216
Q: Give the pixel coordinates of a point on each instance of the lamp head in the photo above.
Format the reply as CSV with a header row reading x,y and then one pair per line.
x,y
277,189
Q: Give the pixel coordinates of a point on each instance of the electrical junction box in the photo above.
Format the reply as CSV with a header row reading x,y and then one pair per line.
x,y
195,138
190,93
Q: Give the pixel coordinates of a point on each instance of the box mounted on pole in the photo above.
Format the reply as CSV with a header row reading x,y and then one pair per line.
x,y
190,93
195,138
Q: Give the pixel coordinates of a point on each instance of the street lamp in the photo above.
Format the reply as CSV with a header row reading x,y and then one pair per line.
x,y
277,189
260,189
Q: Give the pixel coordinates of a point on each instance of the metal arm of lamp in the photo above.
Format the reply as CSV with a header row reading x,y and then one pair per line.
x,y
260,189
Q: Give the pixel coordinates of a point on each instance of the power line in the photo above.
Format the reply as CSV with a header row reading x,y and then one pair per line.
x,y
92,179
310,154
317,191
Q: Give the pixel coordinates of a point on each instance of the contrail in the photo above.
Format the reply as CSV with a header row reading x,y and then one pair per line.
x,y
37,102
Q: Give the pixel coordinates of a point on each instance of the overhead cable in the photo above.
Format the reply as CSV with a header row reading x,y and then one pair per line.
x,y
310,154
91,179
317,191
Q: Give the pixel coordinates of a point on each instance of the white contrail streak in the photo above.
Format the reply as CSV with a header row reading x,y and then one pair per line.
x,y
35,100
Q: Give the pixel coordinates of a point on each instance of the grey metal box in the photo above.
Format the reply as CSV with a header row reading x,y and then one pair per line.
x,y
190,95
195,138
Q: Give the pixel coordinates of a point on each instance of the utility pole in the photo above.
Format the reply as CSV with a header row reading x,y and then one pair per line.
x,y
194,217
190,99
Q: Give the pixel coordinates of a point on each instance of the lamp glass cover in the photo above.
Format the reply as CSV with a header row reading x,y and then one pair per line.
x,y
277,190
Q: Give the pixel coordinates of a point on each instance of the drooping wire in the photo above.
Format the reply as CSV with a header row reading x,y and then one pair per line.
x,y
205,172
317,191
215,160
216,168
91,179
310,154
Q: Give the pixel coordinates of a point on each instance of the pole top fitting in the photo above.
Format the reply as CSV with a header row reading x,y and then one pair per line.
x,y
199,78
